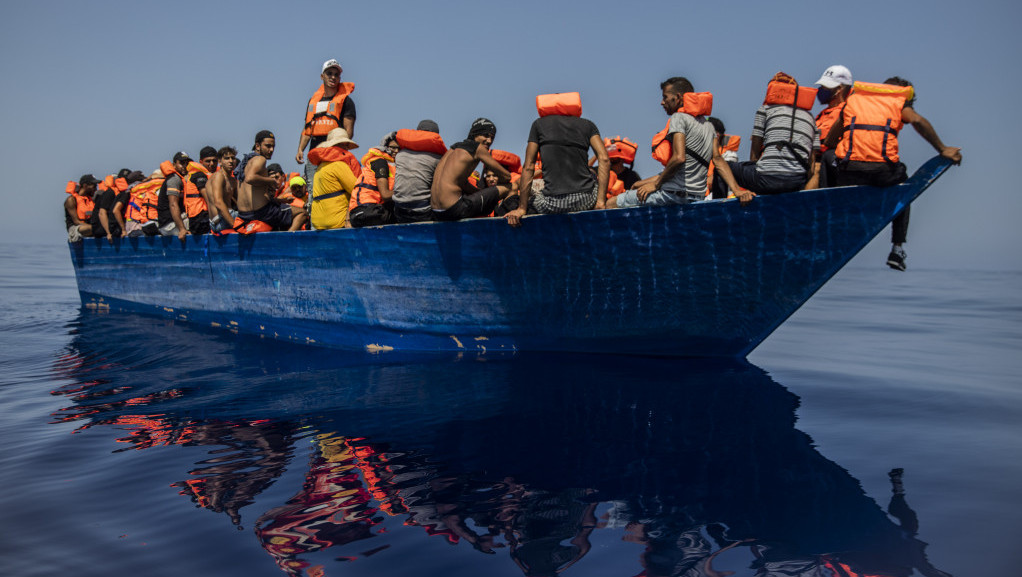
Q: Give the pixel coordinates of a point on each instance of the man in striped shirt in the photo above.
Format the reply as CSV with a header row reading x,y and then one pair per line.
x,y
785,143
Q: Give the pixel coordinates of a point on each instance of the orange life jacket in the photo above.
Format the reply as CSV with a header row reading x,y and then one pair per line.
x,y
142,206
320,123
508,160
824,121
83,204
732,144
112,182
693,104
790,94
195,202
615,185
366,190
561,104
871,120
622,148
318,156
420,141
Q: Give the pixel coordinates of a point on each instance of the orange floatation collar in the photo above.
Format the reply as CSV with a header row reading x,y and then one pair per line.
x,y
509,160
420,141
622,148
561,104
790,94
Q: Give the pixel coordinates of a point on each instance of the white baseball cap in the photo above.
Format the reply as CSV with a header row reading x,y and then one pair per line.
x,y
835,76
332,64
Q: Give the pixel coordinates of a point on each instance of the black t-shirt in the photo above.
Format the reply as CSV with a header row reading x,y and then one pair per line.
x,y
564,148
106,200
629,177
347,111
380,168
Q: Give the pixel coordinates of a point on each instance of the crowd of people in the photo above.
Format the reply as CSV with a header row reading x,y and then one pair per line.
x,y
413,176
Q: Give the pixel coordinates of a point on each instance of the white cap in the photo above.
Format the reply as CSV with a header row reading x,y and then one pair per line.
x,y
835,76
332,64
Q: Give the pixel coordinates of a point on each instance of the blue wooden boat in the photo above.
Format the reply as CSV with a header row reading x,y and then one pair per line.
x,y
711,279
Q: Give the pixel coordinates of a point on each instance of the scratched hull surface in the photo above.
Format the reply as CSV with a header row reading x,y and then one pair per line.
x,y
710,279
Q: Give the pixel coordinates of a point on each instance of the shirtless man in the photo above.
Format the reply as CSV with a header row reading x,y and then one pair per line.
x,y
453,198
256,194
223,188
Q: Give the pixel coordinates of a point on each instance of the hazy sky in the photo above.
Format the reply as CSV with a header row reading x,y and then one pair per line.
x,y
91,87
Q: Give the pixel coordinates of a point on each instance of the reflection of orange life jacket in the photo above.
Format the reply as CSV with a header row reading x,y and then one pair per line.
x,y
824,121
366,190
319,123
83,204
732,144
622,148
420,141
142,206
195,202
562,104
871,121
693,104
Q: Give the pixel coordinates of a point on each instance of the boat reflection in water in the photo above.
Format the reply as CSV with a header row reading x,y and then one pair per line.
x,y
695,465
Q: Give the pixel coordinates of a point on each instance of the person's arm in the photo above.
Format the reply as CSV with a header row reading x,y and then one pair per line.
x,y
483,155
219,189
119,216
348,116
514,217
925,129
174,200
757,148
381,169
104,220
723,170
675,163
253,178
302,143
602,170
71,208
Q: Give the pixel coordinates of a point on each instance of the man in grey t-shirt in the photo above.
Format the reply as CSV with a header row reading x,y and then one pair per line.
x,y
693,146
413,180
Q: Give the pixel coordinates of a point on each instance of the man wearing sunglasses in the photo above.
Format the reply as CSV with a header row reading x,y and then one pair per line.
x,y
330,107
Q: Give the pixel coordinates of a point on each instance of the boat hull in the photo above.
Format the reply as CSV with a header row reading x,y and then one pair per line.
x,y
710,279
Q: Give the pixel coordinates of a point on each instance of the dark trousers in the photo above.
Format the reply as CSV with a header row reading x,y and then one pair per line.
x,y
857,173
749,178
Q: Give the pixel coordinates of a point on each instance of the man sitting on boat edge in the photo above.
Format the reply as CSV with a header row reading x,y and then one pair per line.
x,y
452,196
256,193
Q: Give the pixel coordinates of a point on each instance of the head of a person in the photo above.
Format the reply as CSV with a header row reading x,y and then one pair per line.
x,y
208,158
87,185
718,127
228,158
899,81
673,91
389,143
490,177
181,160
428,125
482,131
298,187
331,73
275,172
338,137
264,144
835,83
131,176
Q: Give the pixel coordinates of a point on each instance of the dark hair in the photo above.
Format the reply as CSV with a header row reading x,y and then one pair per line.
x,y
678,84
899,81
225,150
261,136
206,152
717,124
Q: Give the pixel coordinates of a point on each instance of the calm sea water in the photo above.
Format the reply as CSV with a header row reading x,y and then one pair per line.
x,y
139,446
